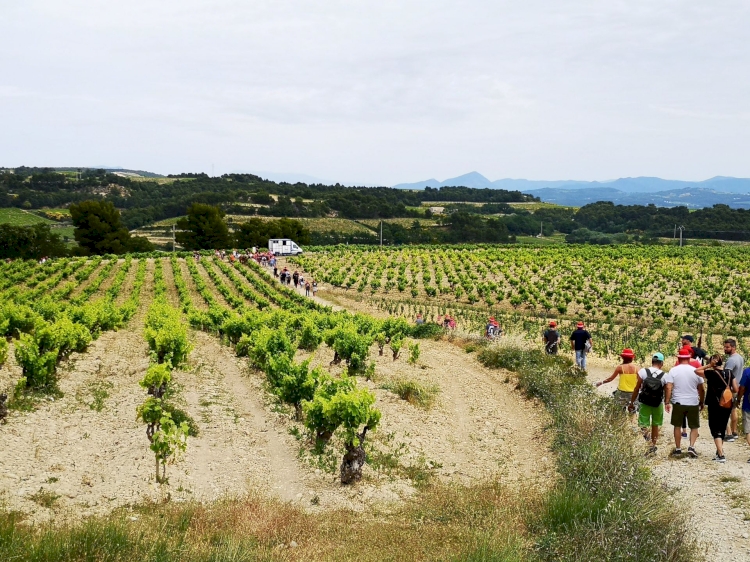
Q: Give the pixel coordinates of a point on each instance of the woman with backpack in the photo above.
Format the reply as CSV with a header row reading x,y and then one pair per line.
x,y
721,384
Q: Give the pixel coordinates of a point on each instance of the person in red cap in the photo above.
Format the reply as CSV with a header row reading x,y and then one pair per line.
x,y
581,342
493,328
551,338
684,396
628,373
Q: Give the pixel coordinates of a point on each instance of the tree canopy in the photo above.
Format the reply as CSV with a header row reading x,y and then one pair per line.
x,y
257,232
29,242
99,230
203,228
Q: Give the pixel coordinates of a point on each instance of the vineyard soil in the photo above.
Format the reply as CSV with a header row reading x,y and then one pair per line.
x,y
84,453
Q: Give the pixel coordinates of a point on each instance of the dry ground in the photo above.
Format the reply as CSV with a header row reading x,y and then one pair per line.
x,y
66,458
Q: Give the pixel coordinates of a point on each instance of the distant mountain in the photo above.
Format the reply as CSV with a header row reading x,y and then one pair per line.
x,y
626,185
691,197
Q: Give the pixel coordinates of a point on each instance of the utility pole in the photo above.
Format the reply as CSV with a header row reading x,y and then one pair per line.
x,y
174,238
681,228
674,236
541,229
381,233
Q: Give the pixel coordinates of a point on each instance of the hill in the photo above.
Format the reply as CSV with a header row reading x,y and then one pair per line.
x,y
651,185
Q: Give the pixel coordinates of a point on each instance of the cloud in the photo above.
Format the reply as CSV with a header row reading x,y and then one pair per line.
x,y
385,91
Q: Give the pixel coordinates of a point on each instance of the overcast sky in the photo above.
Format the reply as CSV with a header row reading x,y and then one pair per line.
x,y
379,92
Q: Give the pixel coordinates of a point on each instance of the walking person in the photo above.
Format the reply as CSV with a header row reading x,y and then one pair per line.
x,y
685,389
295,278
307,289
649,393
581,342
721,389
551,339
735,363
628,373
314,288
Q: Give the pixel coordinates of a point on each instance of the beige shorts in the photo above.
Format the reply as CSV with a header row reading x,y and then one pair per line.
x,y
746,421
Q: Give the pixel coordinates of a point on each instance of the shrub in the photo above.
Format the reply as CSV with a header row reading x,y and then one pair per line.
x,y
598,508
157,377
395,345
413,353
166,334
317,411
414,392
293,382
38,367
426,330
3,351
310,336
266,343
350,344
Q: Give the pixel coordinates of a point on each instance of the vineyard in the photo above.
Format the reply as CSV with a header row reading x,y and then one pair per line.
x,y
637,297
96,343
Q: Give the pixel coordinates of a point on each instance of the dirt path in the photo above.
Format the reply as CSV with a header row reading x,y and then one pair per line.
x,y
719,494
172,296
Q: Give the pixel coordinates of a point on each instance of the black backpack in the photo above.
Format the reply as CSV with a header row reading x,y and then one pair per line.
x,y
652,391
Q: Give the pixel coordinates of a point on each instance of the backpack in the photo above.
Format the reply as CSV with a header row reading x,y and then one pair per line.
x,y
726,399
652,391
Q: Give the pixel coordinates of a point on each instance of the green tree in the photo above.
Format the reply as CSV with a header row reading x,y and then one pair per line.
x,y
203,228
99,229
29,242
257,232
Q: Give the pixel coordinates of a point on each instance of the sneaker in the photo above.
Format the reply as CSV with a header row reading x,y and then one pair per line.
x,y
692,452
684,433
731,438
677,452
719,458
651,451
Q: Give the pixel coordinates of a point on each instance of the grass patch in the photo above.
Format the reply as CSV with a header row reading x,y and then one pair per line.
x,y
45,498
441,523
606,506
730,479
414,392
19,217
98,391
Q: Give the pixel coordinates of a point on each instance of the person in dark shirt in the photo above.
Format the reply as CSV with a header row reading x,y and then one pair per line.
x,y
581,342
551,338
718,379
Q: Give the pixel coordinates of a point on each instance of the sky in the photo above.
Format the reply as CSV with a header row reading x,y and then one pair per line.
x,y
379,92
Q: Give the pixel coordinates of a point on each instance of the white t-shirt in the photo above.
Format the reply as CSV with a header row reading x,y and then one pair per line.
x,y
686,383
654,373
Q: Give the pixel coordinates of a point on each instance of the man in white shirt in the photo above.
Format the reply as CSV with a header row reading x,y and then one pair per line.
x,y
686,389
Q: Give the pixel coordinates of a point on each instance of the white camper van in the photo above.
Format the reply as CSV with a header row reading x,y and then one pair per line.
x,y
283,247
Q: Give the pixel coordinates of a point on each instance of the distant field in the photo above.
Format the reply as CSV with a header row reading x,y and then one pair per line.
x,y
534,205
19,217
405,222
344,226
544,241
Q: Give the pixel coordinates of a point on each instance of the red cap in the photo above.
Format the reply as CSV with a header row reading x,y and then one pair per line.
x,y
685,353
579,325
552,323
627,353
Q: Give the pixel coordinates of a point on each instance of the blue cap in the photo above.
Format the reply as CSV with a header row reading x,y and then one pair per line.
x,y
658,356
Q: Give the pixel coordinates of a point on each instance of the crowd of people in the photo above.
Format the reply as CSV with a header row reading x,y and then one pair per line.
x,y
696,382
286,277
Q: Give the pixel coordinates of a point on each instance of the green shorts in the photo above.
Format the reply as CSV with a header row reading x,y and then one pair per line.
x,y
651,415
692,412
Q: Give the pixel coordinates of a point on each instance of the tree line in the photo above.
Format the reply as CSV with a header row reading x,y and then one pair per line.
x,y
147,201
